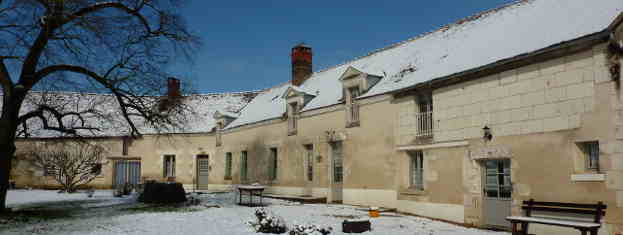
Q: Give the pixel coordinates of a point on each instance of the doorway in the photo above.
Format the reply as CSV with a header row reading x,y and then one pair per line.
x,y
337,171
203,171
497,189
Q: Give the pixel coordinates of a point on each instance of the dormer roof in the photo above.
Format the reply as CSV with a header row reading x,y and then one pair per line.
x,y
296,91
352,71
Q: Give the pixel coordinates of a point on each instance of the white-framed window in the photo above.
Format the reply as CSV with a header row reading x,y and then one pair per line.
x,y
169,166
352,108
424,117
590,151
273,164
292,116
416,170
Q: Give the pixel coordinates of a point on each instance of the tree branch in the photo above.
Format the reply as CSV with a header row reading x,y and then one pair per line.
x,y
99,6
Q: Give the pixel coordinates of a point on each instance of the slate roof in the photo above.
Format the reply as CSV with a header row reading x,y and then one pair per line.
x,y
506,32
110,120
503,33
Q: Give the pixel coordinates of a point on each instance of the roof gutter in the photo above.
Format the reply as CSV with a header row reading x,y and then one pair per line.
x,y
554,51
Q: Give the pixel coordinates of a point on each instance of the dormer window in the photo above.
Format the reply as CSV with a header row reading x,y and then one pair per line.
x,y
223,118
352,108
356,82
296,99
292,117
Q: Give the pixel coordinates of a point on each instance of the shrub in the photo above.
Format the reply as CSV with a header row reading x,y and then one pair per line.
x,y
268,223
154,192
310,230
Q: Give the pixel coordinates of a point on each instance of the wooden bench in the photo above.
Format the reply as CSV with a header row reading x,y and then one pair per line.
x,y
596,211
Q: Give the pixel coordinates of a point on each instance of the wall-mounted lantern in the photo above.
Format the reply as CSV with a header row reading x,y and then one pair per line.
x,y
487,133
319,158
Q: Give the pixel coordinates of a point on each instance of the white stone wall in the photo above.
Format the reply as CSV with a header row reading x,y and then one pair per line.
x,y
543,97
406,124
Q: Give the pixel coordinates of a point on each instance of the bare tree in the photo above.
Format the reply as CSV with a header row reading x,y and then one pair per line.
x,y
119,47
71,163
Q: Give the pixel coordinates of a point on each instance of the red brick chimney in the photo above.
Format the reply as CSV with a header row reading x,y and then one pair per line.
x,y
173,88
301,63
173,94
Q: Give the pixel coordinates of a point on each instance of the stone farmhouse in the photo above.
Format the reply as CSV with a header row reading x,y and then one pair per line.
x,y
460,124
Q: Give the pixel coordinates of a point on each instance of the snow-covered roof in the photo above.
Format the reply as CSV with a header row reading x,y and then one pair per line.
x,y
516,29
108,117
266,105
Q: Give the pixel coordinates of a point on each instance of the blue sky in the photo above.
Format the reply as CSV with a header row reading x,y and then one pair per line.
x,y
246,44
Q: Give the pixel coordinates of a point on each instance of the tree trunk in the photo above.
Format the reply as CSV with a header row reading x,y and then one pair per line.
x,y
8,128
7,149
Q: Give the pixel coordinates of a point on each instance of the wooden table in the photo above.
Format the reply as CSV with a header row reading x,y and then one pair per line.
x,y
251,191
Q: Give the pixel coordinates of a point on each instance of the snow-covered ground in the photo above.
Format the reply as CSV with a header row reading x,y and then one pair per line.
x,y
217,214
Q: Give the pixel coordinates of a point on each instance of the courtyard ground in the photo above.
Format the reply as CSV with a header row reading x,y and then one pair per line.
x,y
48,212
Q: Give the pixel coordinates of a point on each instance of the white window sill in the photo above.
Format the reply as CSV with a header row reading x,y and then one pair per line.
x,y
591,177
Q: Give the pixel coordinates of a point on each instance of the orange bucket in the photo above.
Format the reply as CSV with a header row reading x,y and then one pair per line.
x,y
374,212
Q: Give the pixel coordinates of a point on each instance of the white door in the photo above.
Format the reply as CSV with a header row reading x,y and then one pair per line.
x,y
308,170
497,192
337,171
203,171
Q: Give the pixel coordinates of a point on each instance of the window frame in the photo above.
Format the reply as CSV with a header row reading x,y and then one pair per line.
x,y
293,109
591,155
309,159
244,157
169,165
416,170
228,165
273,164
424,117
352,107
